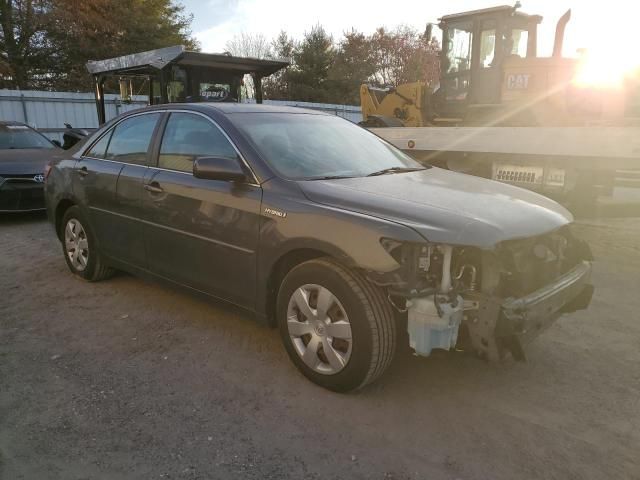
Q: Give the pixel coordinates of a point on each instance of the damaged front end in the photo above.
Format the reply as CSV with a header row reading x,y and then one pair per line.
x,y
492,302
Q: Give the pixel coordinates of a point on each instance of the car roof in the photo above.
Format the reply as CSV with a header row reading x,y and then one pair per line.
x,y
230,108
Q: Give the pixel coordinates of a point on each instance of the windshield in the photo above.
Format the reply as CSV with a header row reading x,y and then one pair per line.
x,y
21,137
307,147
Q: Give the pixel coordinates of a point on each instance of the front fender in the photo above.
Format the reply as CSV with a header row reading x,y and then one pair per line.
x,y
291,223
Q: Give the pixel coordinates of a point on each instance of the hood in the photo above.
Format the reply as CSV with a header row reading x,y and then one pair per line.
x,y
26,161
445,206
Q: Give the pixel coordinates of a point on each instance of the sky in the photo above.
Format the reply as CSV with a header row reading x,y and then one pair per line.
x,y
217,21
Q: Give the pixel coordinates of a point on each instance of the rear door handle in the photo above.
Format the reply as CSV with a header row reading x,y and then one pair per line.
x,y
153,187
83,171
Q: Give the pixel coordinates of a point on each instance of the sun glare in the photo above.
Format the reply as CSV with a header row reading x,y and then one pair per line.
x,y
607,67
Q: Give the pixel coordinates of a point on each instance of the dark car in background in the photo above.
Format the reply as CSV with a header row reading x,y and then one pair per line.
x,y
321,228
24,154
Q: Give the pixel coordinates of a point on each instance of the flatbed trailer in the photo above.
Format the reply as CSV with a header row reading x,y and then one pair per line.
x,y
572,164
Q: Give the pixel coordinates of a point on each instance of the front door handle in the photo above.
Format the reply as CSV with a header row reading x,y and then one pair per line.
x,y
83,172
153,187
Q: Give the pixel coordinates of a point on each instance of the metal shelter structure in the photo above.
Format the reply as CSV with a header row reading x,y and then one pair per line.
x,y
175,74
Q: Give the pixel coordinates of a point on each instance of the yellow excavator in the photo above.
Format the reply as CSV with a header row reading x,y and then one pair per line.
x,y
504,113
490,74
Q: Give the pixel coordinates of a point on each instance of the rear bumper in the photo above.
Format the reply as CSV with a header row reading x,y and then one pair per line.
x,y
21,196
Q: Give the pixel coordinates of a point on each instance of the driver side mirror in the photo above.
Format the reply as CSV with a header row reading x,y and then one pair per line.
x,y
219,168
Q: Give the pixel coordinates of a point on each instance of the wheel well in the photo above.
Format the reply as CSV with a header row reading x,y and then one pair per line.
x,y
62,207
280,269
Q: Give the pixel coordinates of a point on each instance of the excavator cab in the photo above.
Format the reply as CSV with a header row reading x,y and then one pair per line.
x,y
475,45
491,75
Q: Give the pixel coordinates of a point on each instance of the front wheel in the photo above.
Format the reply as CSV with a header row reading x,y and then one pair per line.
x,y
337,327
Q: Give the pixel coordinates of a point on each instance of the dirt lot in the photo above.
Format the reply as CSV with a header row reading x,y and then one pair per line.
x,y
126,379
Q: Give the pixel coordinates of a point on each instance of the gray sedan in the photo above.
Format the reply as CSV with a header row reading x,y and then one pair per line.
x,y
320,228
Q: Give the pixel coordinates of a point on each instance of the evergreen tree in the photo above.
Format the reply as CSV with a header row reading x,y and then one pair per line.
x,y
46,43
312,60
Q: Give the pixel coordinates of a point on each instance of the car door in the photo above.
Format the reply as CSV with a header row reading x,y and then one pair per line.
x,y
109,179
201,233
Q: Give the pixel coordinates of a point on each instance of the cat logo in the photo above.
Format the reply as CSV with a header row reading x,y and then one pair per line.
x,y
518,81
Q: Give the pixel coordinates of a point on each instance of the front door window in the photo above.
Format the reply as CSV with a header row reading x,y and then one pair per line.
x,y
187,137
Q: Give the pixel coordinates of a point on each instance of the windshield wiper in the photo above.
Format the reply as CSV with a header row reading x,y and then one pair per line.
x,y
386,171
331,177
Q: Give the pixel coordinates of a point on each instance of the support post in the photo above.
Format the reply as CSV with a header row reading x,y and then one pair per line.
x,y
99,93
24,108
150,80
164,96
257,85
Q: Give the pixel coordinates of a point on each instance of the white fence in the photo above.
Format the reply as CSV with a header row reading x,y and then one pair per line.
x,y
54,109
51,110
352,113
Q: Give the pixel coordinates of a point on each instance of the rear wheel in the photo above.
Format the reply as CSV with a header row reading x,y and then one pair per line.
x,y
337,327
79,247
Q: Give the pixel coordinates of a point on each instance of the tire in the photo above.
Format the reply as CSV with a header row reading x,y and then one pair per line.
x,y
359,354
88,263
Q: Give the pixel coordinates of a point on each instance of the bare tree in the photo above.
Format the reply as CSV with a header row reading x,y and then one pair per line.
x,y
403,56
249,45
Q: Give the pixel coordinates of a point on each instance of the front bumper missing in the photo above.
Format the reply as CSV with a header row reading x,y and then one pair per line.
x,y
505,326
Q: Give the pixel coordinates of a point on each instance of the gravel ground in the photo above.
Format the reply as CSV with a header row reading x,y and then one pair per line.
x,y
127,379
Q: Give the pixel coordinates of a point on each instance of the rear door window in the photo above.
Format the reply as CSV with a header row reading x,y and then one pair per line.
x,y
131,138
188,136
